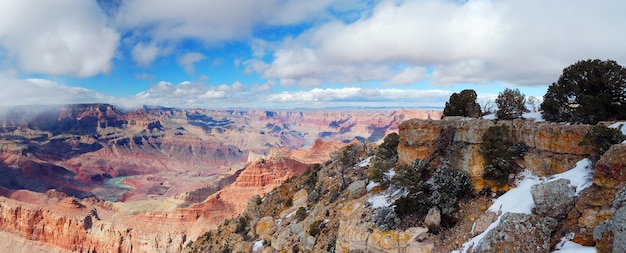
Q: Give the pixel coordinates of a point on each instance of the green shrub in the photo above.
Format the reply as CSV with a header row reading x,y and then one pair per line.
x,y
385,218
449,186
315,227
242,225
388,150
496,150
413,180
601,138
331,244
300,214
378,169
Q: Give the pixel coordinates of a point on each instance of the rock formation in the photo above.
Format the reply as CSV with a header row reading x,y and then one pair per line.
x,y
553,148
174,173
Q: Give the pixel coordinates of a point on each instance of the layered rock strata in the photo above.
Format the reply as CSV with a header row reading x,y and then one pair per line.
x,y
553,148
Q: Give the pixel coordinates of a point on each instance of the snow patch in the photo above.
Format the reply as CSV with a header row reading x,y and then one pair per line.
x,y
257,245
379,201
490,116
391,173
519,199
567,246
533,115
619,126
371,186
365,162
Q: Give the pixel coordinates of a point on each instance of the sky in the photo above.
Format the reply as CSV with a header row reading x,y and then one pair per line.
x,y
290,54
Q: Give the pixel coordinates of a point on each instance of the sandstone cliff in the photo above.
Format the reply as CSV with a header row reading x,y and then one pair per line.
x,y
553,147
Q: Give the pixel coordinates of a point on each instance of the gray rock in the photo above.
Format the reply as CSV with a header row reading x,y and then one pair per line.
x,y
296,228
433,219
357,189
519,233
483,222
554,199
616,225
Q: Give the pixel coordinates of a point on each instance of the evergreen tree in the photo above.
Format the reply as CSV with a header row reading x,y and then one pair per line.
x,y
511,104
463,104
587,92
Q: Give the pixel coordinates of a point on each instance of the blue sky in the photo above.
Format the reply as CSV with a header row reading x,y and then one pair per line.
x,y
295,54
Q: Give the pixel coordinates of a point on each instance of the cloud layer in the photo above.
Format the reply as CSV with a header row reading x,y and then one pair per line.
x,y
519,42
67,37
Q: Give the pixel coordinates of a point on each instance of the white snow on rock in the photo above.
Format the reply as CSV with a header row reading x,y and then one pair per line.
x,y
567,246
365,162
620,126
379,201
519,199
370,186
258,245
533,115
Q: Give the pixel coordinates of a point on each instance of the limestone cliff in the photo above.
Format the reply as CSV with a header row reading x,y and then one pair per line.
x,y
553,147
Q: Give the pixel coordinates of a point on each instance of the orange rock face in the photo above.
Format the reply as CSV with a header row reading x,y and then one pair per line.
x,y
553,148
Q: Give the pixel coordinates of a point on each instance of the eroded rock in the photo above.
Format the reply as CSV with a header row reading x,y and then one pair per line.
x,y
519,233
554,198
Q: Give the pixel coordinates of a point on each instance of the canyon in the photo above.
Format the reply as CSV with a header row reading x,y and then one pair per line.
x,y
333,208
93,178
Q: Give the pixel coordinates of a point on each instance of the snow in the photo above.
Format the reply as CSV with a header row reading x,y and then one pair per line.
x,y
533,115
581,176
619,126
257,245
490,116
529,115
519,199
365,162
391,173
371,186
379,201
567,246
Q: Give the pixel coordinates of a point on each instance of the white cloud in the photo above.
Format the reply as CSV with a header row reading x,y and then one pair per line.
x,y
68,37
388,97
188,61
216,21
408,76
144,53
522,42
44,92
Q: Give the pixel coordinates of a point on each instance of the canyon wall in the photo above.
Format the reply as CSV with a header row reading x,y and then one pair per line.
x,y
553,147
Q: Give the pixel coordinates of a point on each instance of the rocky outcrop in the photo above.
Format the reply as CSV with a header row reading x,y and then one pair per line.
x,y
519,233
595,204
358,235
553,148
554,199
611,234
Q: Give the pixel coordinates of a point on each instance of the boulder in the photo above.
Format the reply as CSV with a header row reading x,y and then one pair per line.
x,y
357,189
265,227
611,234
519,233
433,219
554,199
483,222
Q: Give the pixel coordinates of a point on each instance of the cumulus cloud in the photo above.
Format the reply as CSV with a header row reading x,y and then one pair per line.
x,y
522,42
216,21
192,94
44,37
144,53
408,76
357,96
44,92
188,61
